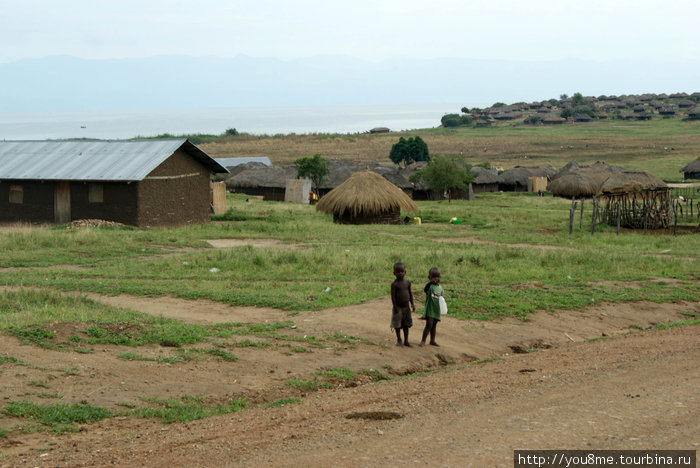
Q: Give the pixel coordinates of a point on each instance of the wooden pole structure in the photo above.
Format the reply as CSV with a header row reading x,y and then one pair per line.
x,y
619,215
580,218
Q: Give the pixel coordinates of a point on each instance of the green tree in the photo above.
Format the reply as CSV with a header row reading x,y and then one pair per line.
x,y
444,174
577,99
315,168
465,110
409,150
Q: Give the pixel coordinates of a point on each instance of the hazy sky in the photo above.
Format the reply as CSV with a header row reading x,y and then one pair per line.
x,y
374,30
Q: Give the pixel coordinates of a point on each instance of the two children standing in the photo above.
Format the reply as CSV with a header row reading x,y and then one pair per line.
x,y
402,305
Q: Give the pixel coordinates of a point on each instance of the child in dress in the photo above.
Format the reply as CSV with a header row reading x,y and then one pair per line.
x,y
433,292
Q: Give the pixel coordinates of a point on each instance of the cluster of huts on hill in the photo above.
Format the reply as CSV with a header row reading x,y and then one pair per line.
x,y
588,108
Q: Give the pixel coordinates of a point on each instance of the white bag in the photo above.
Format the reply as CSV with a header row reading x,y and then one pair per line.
x,y
443,305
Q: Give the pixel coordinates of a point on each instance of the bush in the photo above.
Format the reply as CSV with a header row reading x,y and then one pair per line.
x,y
456,120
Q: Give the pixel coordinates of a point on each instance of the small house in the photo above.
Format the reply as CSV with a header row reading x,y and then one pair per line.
x,y
139,182
691,170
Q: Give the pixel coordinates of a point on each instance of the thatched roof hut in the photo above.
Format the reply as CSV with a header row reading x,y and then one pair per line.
x,y
262,180
692,170
485,180
366,198
631,181
575,181
516,179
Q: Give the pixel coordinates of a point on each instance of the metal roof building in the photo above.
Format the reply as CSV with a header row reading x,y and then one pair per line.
x,y
130,160
136,182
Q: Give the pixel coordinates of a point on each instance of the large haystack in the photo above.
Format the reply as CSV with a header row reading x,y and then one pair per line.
x,y
366,198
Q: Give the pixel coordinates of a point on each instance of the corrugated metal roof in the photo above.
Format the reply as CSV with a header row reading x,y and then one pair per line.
x,y
229,162
92,160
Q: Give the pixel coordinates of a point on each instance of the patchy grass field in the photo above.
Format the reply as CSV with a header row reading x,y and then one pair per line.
x,y
159,325
660,146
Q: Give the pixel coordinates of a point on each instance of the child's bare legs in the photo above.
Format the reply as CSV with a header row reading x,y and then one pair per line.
x,y
430,327
405,336
398,336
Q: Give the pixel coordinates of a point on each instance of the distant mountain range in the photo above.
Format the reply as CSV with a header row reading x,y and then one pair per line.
x,y
69,83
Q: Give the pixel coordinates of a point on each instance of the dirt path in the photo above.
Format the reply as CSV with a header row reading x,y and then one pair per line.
x,y
637,389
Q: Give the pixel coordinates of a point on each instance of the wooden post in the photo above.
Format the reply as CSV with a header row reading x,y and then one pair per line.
x,y
572,213
619,215
595,214
675,222
580,218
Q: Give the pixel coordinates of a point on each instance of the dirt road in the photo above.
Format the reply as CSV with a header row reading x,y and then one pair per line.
x,y
635,389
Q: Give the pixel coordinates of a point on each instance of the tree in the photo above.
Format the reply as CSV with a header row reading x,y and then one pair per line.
x,y
465,110
456,120
577,99
315,168
444,174
408,151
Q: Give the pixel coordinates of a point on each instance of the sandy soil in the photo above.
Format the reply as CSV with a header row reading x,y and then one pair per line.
x,y
552,388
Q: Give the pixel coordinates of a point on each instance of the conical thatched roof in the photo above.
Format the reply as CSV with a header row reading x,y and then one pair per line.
x,y
631,181
485,176
365,193
574,180
693,166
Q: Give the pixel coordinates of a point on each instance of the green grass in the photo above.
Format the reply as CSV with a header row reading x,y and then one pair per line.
x,y
57,418
307,385
337,373
186,408
131,356
505,241
681,323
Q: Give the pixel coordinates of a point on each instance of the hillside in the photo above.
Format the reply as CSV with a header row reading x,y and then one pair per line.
x,y
659,143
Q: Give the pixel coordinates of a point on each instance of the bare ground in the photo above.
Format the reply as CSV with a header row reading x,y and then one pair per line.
x,y
636,389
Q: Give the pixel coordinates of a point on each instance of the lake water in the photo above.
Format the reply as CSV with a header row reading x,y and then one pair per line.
x,y
256,120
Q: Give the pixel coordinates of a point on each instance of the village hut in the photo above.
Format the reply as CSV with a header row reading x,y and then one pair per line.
x,y
338,172
553,119
516,179
265,181
140,182
485,180
575,181
396,175
692,170
635,199
366,198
